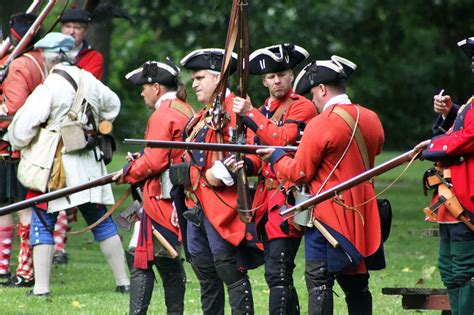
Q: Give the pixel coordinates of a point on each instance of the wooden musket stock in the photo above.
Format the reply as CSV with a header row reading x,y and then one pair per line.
x,y
359,179
6,118
107,179
218,147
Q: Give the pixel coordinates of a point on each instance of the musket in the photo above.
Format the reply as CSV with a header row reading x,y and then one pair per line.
x,y
7,43
25,40
6,118
218,147
359,179
244,201
104,180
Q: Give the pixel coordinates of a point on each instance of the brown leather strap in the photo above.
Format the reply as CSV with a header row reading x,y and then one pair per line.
x,y
182,108
105,216
358,135
280,111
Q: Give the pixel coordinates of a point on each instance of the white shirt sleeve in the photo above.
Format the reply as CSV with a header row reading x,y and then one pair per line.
x,y
27,120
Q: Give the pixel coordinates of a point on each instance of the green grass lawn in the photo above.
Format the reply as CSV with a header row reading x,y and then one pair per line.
x,y
86,285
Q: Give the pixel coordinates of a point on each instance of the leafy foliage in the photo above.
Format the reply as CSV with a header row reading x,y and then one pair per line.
x,y
405,51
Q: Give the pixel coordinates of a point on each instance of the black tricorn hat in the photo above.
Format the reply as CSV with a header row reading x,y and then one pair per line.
x,y
277,58
165,73
76,15
208,59
467,46
20,23
323,71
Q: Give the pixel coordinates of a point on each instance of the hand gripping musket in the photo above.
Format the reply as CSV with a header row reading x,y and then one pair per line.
x,y
7,43
104,180
25,40
218,147
244,202
359,179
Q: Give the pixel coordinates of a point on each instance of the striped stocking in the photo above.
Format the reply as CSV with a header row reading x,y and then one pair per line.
x,y
25,256
6,240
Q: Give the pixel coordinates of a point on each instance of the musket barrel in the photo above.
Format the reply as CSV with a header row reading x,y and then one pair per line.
x,y
6,118
359,179
220,147
107,179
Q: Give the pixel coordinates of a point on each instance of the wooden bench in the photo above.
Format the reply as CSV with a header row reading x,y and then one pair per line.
x,y
421,298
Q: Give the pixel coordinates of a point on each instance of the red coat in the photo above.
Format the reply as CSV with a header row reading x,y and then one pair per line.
x,y
457,146
91,60
324,141
219,210
166,123
300,111
23,77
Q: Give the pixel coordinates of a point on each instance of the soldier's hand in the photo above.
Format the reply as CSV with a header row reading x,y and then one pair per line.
x,y
174,217
3,110
231,164
242,106
422,145
212,180
118,179
442,104
265,154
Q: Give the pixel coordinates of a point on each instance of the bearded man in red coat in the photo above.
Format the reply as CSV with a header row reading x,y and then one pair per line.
x,y
214,231
328,155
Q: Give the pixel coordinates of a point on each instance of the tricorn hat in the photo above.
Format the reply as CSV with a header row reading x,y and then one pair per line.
x,y
325,72
20,23
208,59
76,15
277,58
165,73
467,46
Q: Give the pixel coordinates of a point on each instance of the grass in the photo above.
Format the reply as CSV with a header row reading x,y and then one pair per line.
x,y
86,285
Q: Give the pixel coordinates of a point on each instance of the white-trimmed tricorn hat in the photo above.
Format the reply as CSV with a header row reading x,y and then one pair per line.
x,y
467,46
165,73
276,58
323,71
207,59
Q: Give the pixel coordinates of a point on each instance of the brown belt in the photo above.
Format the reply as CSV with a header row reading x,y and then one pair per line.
x,y
271,183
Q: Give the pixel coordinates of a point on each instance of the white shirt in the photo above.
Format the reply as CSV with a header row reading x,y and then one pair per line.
x,y
167,96
341,99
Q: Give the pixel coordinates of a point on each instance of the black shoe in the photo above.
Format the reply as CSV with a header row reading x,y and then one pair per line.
x,y
31,294
60,258
18,282
5,276
125,289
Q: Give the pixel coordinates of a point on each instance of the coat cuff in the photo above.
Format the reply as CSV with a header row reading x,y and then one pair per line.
x,y
275,157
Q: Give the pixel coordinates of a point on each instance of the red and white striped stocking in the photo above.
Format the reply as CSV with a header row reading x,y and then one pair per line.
x,y
6,241
25,256
63,225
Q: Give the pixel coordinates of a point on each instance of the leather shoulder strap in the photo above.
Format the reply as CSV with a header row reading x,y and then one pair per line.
x,y
66,76
182,108
341,112
42,71
281,110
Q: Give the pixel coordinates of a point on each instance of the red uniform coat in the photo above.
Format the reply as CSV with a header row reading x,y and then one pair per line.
x,y
164,124
91,60
286,132
457,147
323,143
219,210
23,77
